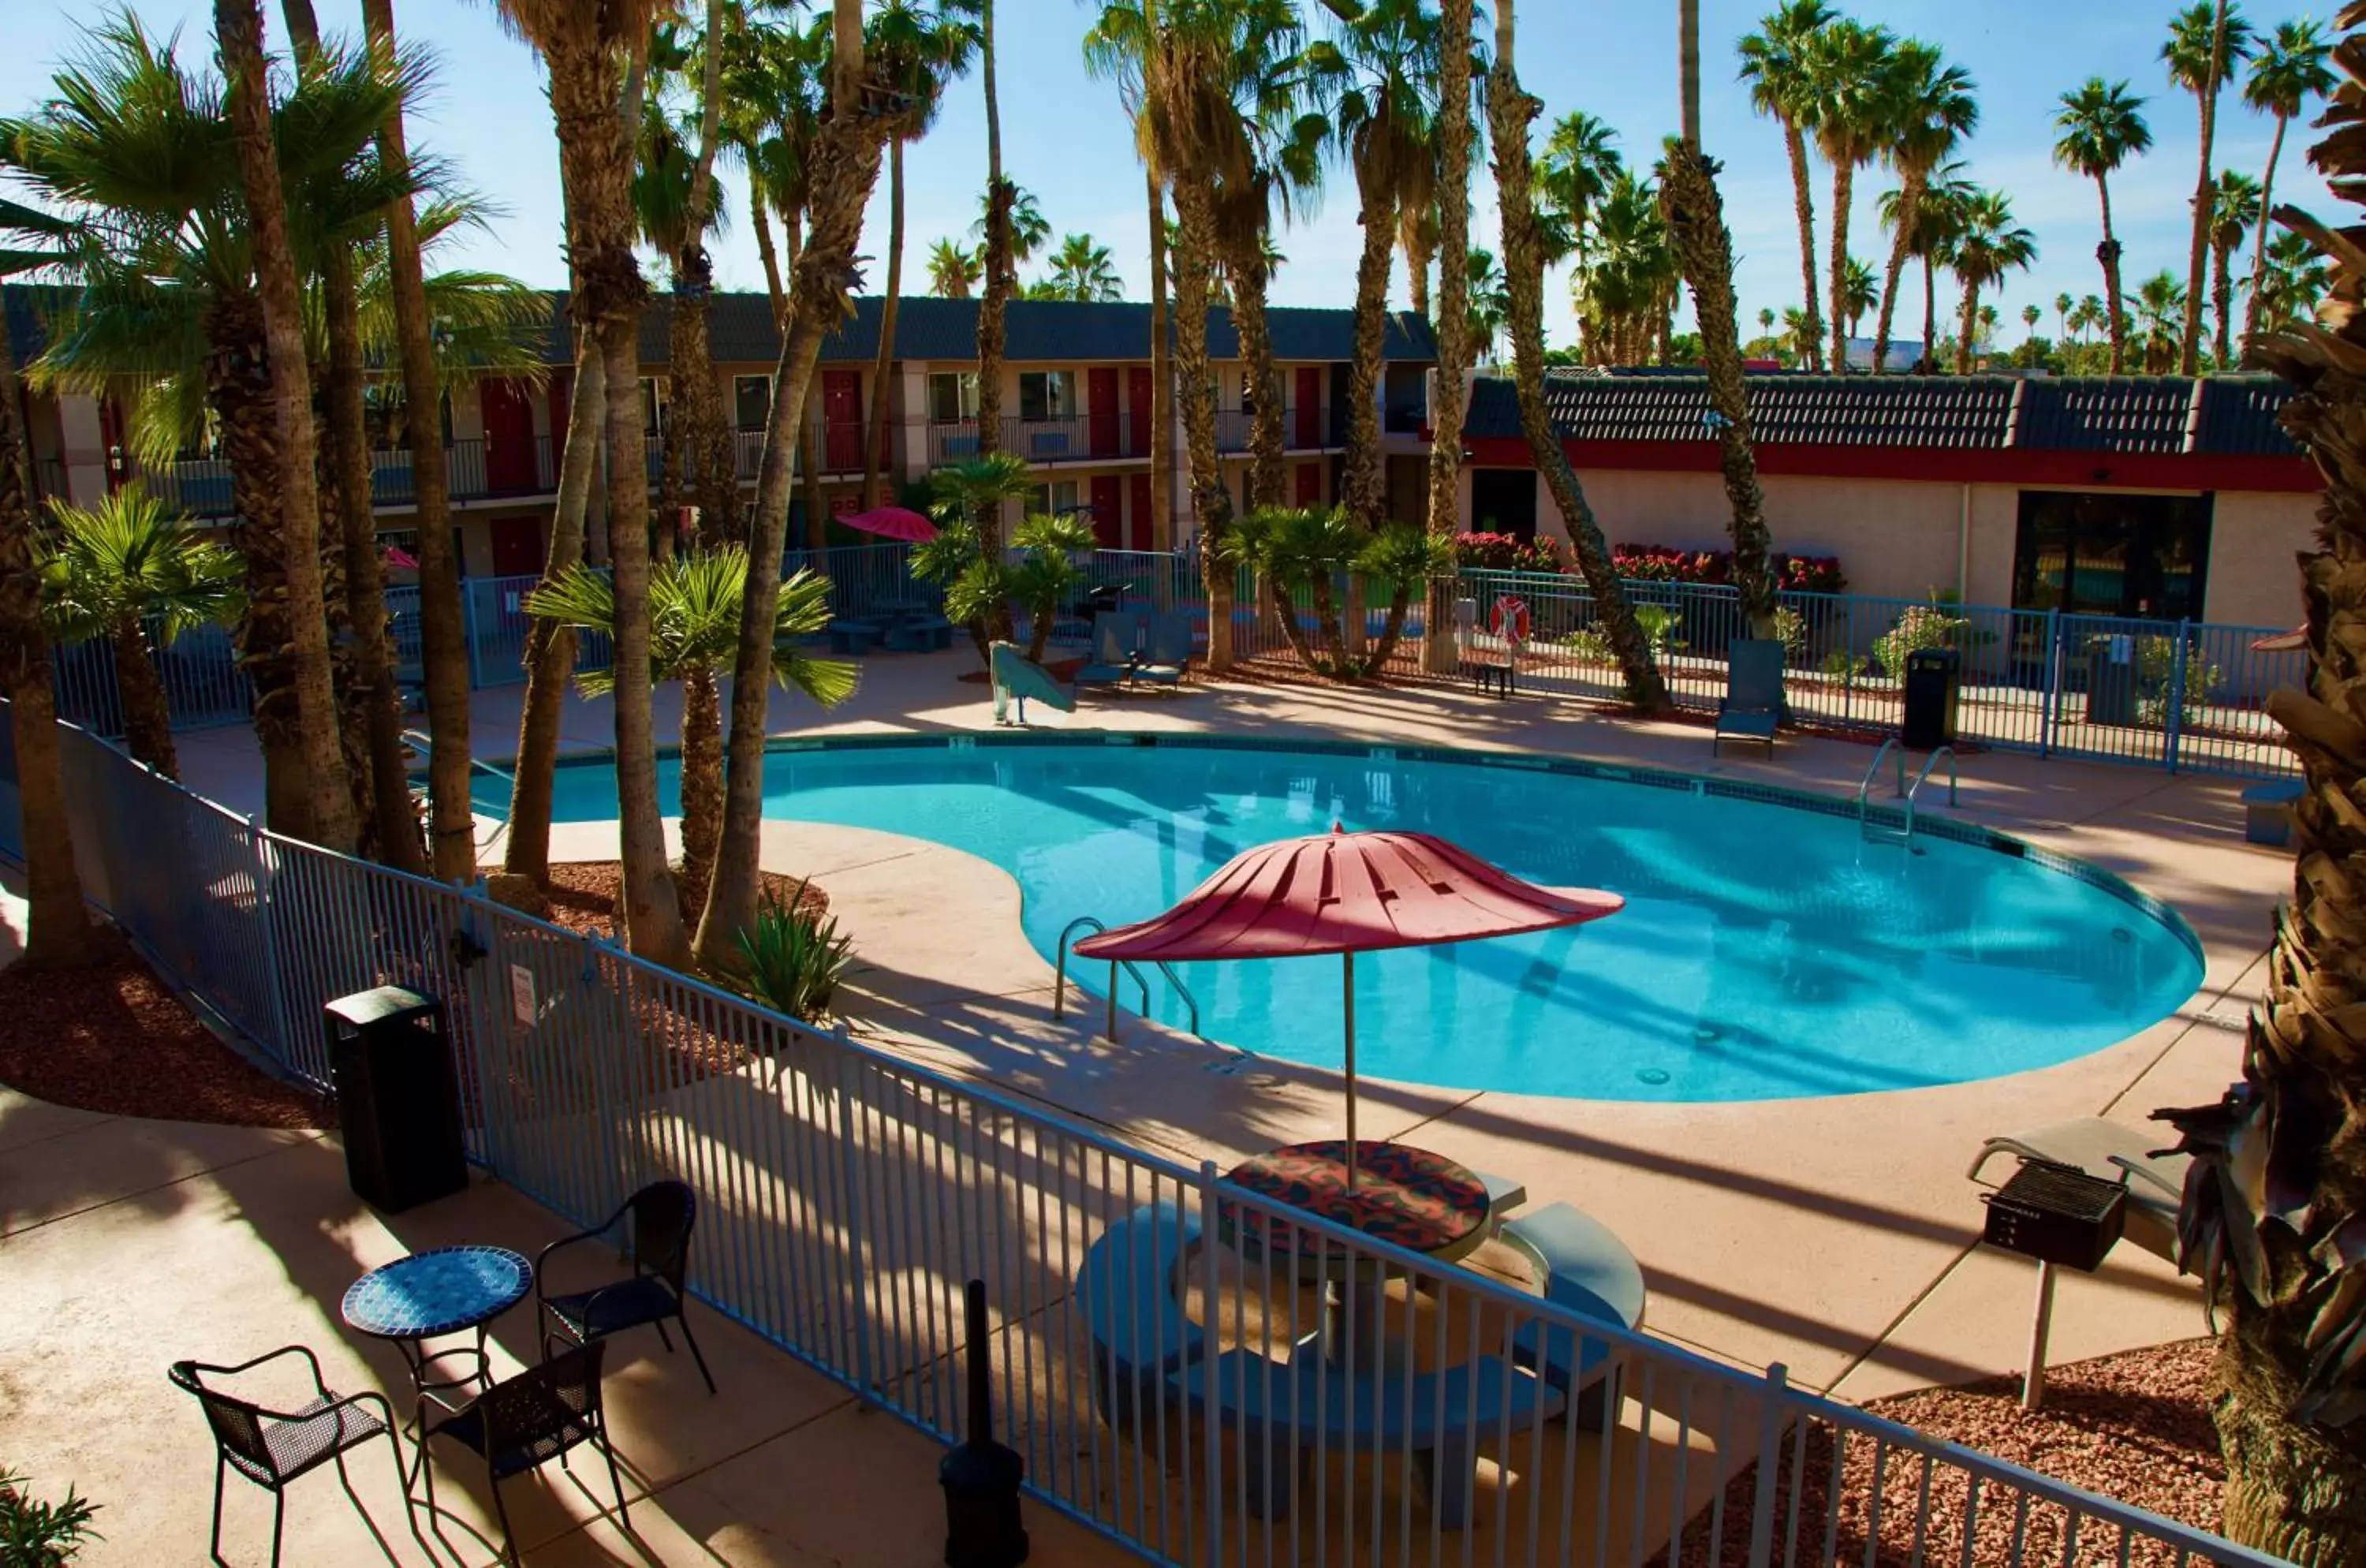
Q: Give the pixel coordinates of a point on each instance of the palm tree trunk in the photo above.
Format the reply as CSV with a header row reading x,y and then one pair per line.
x,y
875,444
2190,352
1843,188
1970,324
442,626
1454,319
1417,280
1909,208
238,26
2107,252
146,720
809,437
1803,203
760,218
1162,380
1688,91
1363,480
995,294
1242,245
1509,113
2259,242
549,644
2222,301
845,169
697,412
702,782
1211,504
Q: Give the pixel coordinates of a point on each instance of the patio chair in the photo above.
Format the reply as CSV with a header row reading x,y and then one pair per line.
x,y
1169,650
1753,705
1113,657
272,1448
2110,1151
657,1243
523,1423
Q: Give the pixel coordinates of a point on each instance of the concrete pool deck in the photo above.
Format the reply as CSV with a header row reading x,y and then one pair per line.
x,y
1835,1235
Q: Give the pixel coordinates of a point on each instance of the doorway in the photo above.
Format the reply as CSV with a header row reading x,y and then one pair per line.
x,y
1503,501
2101,553
841,412
510,468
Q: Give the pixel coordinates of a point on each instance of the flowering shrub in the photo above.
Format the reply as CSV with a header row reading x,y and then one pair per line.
x,y
1659,563
1919,626
1507,552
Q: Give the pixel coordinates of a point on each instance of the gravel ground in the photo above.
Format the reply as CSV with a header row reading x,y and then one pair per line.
x,y
115,1038
584,894
2135,1427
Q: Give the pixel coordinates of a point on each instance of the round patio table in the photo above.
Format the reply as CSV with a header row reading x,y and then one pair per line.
x,y
1411,1197
449,1290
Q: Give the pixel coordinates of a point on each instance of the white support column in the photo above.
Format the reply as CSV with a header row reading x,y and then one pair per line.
x,y
82,448
913,391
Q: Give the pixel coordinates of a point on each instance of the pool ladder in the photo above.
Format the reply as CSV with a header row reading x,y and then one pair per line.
x,y
423,744
1911,793
1167,971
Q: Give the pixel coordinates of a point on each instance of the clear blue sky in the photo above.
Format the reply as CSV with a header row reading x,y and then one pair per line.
x,y
1068,141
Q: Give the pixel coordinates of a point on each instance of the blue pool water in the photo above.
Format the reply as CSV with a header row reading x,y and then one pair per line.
x,y
1765,950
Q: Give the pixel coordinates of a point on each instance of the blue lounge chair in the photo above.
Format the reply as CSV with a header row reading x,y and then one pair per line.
x,y
1112,658
1752,705
1169,650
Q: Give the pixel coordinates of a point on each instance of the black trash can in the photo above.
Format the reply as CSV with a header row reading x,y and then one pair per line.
x,y
2111,681
398,1098
1933,684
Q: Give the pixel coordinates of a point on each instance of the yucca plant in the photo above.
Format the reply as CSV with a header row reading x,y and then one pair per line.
x,y
792,960
34,1534
134,572
1308,550
1040,575
694,605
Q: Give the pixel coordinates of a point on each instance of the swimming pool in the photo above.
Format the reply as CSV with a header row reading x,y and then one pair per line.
x,y
1768,948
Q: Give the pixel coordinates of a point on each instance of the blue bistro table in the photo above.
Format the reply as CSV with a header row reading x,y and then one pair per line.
x,y
450,1290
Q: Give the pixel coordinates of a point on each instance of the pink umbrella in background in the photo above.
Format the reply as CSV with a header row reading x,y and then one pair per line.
x,y
400,558
893,523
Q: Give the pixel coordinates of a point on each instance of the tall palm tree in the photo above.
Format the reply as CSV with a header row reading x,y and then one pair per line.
x,y
1457,23
1001,276
1629,282
1934,110
2160,312
1114,48
2233,212
1775,61
1988,245
696,602
952,271
2297,279
1509,113
842,171
1862,294
2287,74
1082,272
2063,304
1030,230
2102,127
2206,43
698,462
1852,69
917,47
134,572
1376,82
2030,316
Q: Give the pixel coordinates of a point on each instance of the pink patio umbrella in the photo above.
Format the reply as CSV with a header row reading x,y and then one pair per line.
x,y
893,523
2281,642
1347,893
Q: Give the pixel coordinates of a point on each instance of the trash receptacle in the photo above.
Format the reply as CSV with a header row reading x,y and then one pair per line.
x,y
2111,681
1932,686
398,1098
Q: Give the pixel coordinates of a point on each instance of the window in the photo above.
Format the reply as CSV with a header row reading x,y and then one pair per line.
x,y
2089,553
653,406
953,396
1058,497
1047,394
751,401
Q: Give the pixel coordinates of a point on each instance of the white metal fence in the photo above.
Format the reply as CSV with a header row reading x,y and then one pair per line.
x,y
1168,1382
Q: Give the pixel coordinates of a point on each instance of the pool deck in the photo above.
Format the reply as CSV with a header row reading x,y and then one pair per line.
x,y
1835,1235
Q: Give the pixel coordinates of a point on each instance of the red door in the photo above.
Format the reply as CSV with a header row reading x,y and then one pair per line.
x,y
1138,509
1137,412
517,547
1306,432
1309,480
1107,494
510,468
841,412
1100,401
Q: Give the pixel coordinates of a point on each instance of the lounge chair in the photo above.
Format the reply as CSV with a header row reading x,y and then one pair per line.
x,y
1169,650
2111,1151
1752,705
1113,658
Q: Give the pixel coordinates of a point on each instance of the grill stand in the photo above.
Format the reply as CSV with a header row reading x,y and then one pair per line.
x,y
2032,1381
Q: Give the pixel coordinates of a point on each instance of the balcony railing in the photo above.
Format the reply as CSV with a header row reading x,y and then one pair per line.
x,y
1304,428
474,470
1079,438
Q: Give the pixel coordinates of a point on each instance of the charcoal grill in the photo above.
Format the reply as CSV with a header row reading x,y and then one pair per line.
x,y
2058,1214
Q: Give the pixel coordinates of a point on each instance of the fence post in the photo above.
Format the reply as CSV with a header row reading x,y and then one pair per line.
x,y
1770,1456
2057,671
1848,677
468,630
1212,1283
851,1218
257,843
2172,718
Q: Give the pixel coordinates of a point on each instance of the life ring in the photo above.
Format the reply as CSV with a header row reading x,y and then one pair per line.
x,y
1510,621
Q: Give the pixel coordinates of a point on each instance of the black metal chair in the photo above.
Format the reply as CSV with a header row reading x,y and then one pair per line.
x,y
523,1423
272,1448
658,1244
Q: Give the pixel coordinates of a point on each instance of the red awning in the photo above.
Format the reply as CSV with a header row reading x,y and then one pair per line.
x,y
1341,892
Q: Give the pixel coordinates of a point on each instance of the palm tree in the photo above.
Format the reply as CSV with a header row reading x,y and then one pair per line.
x,y
1938,213
843,169
695,448
2288,72
952,271
113,570
2296,280
1861,292
1933,110
1082,272
696,601
2161,311
916,49
1853,74
2062,306
1988,245
1573,173
2234,213
1030,230
1457,23
996,246
2206,42
1628,283
2102,127
1376,81
1488,305
1776,63
2030,316
1509,114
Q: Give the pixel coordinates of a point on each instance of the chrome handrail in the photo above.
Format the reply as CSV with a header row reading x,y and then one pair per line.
x,y
1190,1002
1954,780
424,743
1866,787
1060,976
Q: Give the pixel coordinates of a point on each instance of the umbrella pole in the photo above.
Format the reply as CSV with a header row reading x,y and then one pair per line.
x,y
1347,994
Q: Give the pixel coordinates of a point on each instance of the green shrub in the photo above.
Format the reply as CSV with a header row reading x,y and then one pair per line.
x,y
1660,624
2156,671
1791,631
1842,665
34,1534
1920,627
791,961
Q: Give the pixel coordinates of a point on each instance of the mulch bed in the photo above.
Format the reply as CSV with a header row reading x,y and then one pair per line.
x,y
2135,1427
584,895
115,1038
